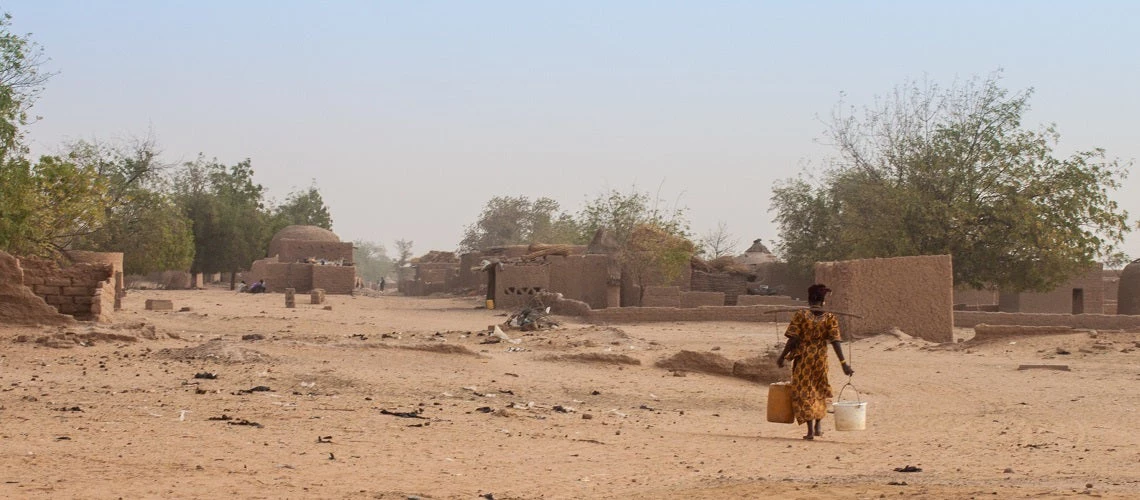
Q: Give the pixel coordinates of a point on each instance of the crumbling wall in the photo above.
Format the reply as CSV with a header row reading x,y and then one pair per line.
x,y
515,284
19,305
581,277
112,288
1063,299
701,299
76,290
914,294
333,279
732,285
300,250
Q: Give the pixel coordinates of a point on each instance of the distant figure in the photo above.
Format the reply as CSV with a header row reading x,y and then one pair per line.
x,y
809,333
243,287
382,283
258,287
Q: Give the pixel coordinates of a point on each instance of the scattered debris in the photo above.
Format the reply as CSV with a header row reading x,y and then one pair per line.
x,y
70,408
1062,351
206,375
324,439
908,468
253,336
1063,368
360,336
251,390
897,483
404,414
485,409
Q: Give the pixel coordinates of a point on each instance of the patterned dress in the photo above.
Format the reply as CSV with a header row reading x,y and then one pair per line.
x,y
810,387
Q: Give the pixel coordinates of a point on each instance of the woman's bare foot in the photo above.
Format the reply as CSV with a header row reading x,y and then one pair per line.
x,y
809,437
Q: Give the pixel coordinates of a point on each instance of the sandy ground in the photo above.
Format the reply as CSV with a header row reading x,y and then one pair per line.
x,y
123,418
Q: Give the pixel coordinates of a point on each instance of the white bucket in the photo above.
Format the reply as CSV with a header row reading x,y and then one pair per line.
x,y
850,415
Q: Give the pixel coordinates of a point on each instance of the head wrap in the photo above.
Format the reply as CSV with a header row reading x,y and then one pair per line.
x,y
817,293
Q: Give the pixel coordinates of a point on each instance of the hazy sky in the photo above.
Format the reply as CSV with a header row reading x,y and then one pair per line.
x,y
411,115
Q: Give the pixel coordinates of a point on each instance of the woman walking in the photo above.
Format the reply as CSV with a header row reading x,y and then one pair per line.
x,y
809,333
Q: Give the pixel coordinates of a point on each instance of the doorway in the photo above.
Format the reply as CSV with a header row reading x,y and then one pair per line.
x,y
1078,301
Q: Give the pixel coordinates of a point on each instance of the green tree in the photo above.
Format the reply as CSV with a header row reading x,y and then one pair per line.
x,y
371,260
654,244
48,205
21,82
507,220
305,208
141,220
227,215
953,171
621,213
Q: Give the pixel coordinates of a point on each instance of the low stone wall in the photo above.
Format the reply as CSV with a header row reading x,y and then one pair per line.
x,y
969,319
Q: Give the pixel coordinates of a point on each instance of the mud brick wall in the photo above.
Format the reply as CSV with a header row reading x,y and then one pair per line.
x,y
437,272
700,299
334,279
516,284
77,290
18,304
259,270
755,314
581,277
468,277
1060,300
914,294
732,285
282,275
299,250
661,296
783,278
970,319
769,300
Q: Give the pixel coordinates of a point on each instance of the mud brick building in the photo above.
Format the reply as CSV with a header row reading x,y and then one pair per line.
x,y
304,258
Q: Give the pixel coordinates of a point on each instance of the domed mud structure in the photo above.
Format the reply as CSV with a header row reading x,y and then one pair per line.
x,y
300,233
